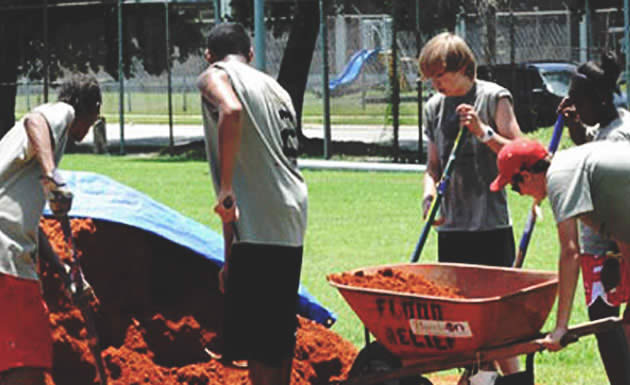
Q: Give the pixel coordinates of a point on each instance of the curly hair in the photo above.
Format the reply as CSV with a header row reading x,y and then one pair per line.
x,y
601,79
81,92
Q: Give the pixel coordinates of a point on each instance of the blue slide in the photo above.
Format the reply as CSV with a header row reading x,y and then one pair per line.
x,y
352,70
99,197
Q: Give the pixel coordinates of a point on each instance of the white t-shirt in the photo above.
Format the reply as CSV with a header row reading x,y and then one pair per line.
x,y
21,196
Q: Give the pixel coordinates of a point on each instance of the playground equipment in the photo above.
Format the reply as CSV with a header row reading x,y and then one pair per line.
x,y
358,65
353,69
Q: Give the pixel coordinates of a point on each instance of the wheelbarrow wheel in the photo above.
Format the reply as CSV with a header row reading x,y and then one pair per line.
x,y
374,358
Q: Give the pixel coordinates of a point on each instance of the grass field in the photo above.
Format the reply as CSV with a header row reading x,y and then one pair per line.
x,y
152,107
356,219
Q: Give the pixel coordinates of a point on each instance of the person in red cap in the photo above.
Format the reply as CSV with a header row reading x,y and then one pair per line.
x,y
590,183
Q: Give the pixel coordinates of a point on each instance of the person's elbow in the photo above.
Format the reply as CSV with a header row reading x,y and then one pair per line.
x,y
35,125
231,112
30,121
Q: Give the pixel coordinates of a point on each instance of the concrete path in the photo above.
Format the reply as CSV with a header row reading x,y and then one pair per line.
x,y
320,164
158,136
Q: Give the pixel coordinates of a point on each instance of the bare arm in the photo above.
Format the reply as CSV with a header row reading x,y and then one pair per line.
x,y
215,87
432,173
568,268
39,142
507,126
569,271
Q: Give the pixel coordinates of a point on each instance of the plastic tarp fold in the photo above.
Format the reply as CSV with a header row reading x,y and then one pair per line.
x,y
99,197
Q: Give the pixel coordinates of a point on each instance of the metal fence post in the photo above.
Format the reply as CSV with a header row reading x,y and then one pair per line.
x,y
46,54
395,83
626,39
121,79
419,85
323,30
171,141
259,34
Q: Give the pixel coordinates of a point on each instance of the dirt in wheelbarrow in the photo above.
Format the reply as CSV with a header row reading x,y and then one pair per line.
x,y
395,280
159,308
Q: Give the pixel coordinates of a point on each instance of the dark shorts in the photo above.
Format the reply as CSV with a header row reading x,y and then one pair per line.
x,y
261,299
490,248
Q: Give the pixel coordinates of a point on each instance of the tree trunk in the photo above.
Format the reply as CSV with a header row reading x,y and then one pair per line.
x,y
8,74
296,60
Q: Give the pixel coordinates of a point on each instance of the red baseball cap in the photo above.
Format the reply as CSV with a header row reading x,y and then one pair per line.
x,y
515,156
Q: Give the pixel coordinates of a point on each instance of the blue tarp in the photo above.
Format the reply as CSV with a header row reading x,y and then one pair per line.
x,y
99,197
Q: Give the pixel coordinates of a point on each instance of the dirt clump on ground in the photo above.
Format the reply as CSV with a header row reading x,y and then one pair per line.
x,y
396,280
159,308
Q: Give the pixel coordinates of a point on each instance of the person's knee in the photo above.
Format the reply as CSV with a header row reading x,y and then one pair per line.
x,y
23,376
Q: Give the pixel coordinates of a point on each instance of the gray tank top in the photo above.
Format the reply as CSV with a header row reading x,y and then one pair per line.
x,y
468,203
270,191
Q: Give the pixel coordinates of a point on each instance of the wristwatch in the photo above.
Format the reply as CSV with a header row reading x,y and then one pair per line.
x,y
488,133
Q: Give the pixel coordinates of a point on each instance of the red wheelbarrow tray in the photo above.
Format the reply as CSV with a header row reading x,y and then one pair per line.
x,y
499,305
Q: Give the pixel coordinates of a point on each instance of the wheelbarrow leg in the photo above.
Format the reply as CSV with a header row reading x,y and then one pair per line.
x,y
367,336
374,359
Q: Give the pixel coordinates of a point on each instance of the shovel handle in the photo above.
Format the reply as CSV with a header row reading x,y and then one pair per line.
x,y
441,190
531,217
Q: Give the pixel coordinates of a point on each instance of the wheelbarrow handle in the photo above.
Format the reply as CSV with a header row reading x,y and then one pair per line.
x,y
594,327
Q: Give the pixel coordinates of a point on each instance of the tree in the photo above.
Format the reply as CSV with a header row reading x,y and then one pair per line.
x,y
297,57
84,38
300,18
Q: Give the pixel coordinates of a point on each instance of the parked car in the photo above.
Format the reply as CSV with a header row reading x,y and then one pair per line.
x,y
537,89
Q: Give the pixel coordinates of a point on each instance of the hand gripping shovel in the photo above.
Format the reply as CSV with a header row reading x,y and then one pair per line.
x,y
531,217
82,295
441,189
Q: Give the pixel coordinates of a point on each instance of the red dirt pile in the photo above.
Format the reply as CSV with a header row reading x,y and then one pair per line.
x,y
159,308
395,280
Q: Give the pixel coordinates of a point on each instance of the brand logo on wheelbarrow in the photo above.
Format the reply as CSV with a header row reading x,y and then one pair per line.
x,y
455,329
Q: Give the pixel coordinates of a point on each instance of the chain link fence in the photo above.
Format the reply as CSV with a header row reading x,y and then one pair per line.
x,y
360,67
359,52
556,35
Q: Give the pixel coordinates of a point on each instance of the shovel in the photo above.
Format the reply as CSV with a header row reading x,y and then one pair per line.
x,y
82,293
441,189
531,217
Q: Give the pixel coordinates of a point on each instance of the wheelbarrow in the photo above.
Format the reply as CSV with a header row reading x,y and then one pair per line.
x,y
499,315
